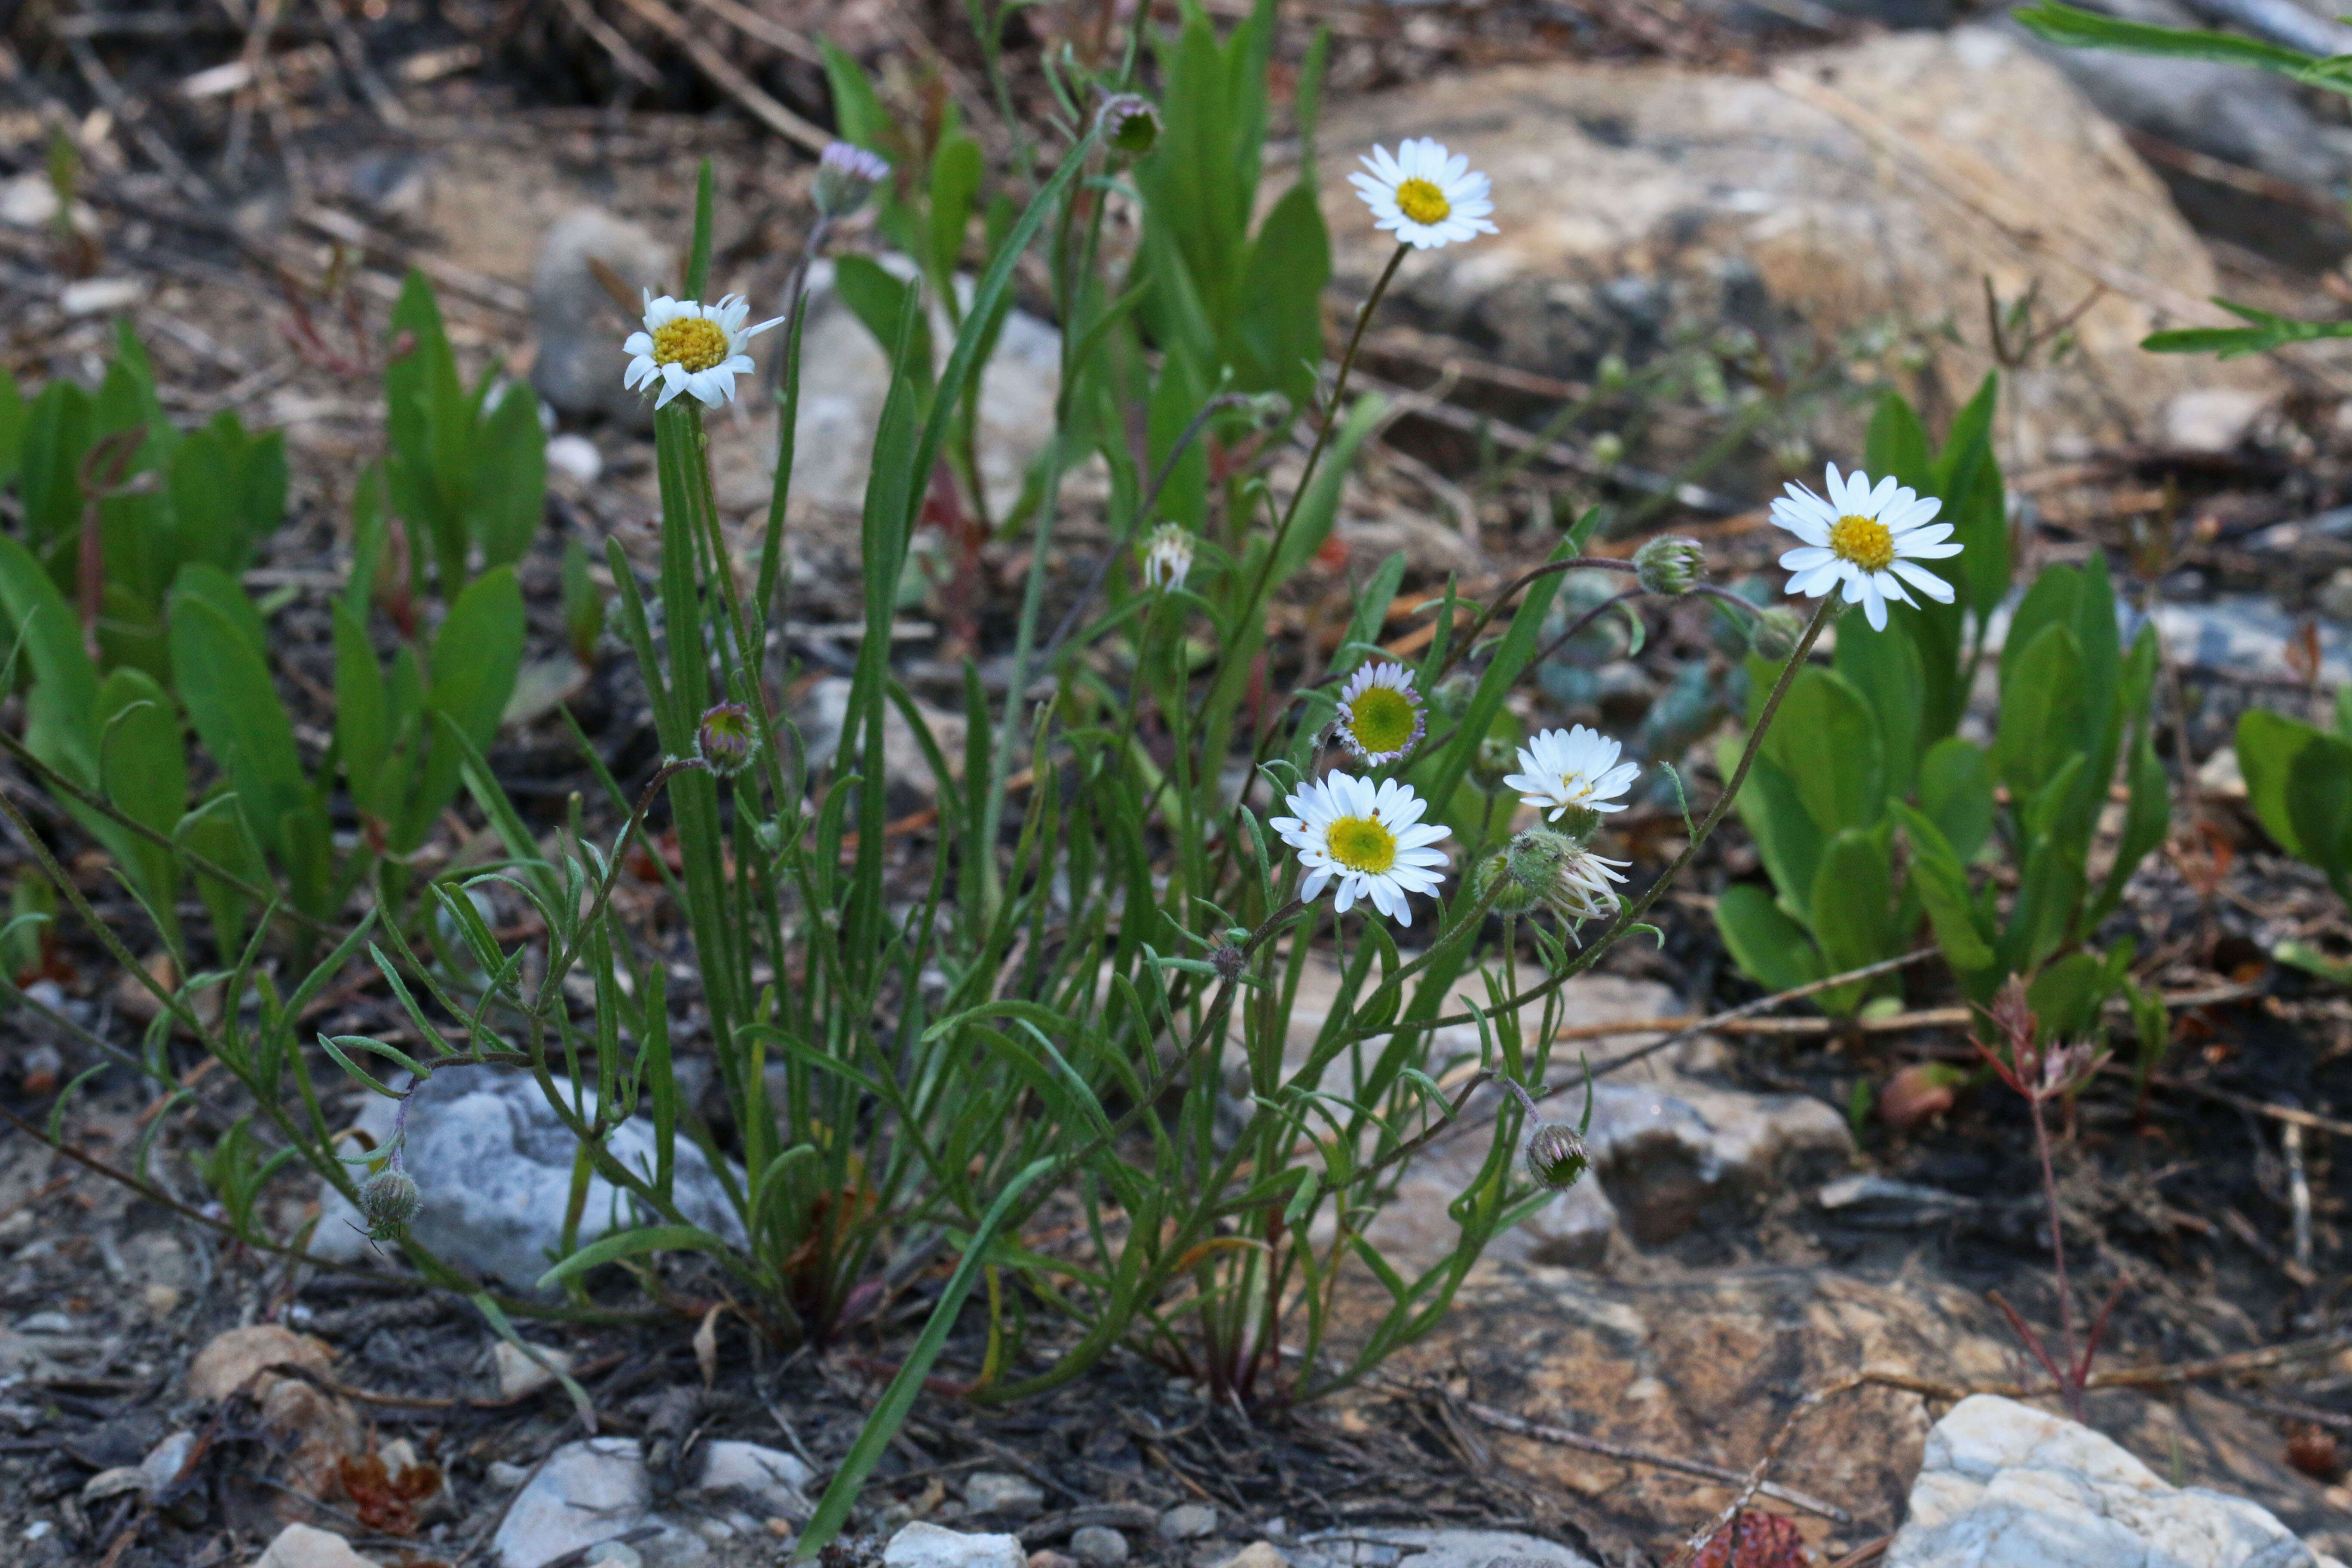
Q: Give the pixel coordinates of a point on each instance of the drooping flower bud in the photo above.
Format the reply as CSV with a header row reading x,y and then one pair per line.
x,y
1554,868
1556,1156
389,1200
1129,124
1669,564
1512,897
724,739
846,176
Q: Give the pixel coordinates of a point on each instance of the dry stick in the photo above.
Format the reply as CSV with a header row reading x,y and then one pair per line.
x,y
1755,1481
769,31
1568,1439
608,39
729,78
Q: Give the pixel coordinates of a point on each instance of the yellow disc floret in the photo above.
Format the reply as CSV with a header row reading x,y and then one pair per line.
x,y
1422,202
1362,843
1382,720
1863,541
695,344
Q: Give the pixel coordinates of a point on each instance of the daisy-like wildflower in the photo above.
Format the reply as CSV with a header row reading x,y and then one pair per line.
x,y
1430,197
688,346
1572,770
1167,556
1370,839
846,176
1865,536
1380,715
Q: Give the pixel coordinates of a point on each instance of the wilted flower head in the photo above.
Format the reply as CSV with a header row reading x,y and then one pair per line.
x,y
691,347
1669,564
1380,715
1166,556
1557,870
724,738
846,176
1129,124
1429,197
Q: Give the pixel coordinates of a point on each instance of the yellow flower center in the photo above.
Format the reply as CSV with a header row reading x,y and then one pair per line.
x,y
1422,202
1362,843
1380,719
696,342
1863,541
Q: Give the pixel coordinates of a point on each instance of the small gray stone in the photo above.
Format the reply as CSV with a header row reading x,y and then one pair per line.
x,y
613,1554
923,1545
506,1477
1098,1545
580,326
1188,1521
768,1478
493,1166
1005,1496
586,1494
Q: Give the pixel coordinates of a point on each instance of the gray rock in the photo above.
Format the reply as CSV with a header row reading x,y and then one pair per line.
x,y
494,1167
1098,1545
1433,1548
1845,190
845,376
923,1545
580,326
160,1471
769,1479
1188,1521
1882,1202
613,1554
306,1546
2002,1485
590,1492
2246,633
1002,1495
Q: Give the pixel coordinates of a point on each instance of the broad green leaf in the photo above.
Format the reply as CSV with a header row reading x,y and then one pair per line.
x,y
1826,740
227,492
1898,445
1852,907
2148,815
2049,895
2042,722
2066,998
955,185
1766,943
12,426
61,707
233,702
880,302
363,720
1955,795
506,495
1884,669
475,657
143,766
58,432
227,596
1279,326
1940,879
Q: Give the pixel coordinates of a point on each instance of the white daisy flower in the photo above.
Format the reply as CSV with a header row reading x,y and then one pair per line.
x,y
1166,556
688,346
1380,715
1866,537
1569,770
1429,197
1369,839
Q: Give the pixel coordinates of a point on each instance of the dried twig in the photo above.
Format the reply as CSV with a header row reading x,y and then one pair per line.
x,y
729,77
1567,1438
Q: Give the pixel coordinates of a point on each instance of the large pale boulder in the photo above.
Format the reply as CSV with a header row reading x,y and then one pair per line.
x,y
1881,183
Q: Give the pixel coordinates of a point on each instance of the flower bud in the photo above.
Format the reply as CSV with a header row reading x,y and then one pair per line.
x,y
1776,633
1556,1156
1494,758
1612,375
846,177
724,739
389,1200
1607,450
1512,898
1227,960
1669,564
1129,124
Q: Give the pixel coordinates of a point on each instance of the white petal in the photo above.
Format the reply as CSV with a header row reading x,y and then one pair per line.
x,y
1927,582
1805,558
1873,604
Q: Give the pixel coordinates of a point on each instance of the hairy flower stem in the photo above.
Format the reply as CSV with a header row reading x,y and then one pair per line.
x,y
2070,1382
